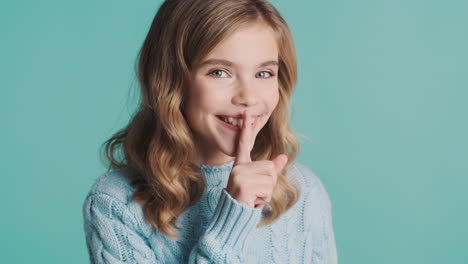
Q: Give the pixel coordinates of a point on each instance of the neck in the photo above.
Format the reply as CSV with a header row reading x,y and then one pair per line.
x,y
208,156
215,161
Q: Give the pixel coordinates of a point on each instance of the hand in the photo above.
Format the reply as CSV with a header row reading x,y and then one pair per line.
x,y
252,183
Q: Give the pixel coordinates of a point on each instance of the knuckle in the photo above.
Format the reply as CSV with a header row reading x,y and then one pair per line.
x,y
243,142
236,182
272,184
271,166
235,171
273,173
275,180
266,180
269,185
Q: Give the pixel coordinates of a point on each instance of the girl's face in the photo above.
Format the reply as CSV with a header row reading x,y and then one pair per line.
x,y
239,74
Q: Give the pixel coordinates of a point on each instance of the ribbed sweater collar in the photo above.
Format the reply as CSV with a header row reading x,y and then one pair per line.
x,y
216,175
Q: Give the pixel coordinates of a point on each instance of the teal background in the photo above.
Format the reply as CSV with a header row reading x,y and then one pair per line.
x,y
381,97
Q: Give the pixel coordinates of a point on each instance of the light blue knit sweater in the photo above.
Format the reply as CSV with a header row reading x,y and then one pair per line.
x,y
217,229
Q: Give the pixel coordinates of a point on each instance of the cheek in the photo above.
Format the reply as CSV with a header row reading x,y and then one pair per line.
x,y
202,97
208,90
272,99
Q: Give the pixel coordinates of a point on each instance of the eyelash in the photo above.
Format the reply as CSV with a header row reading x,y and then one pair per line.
x,y
211,73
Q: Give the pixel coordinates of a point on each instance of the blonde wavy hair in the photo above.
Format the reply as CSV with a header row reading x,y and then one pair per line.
x,y
157,143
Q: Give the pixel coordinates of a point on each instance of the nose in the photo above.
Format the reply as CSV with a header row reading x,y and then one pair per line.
x,y
245,94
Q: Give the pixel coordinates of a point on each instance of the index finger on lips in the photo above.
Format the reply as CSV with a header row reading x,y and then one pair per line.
x,y
244,144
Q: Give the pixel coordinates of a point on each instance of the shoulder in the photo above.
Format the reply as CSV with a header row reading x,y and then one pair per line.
x,y
308,181
316,215
114,183
110,198
314,198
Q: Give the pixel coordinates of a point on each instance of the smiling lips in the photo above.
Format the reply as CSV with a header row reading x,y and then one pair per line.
x,y
235,121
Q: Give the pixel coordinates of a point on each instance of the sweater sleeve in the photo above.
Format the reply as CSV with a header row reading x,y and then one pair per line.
x,y
227,232
111,232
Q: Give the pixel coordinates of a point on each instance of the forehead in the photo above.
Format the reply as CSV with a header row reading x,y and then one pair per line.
x,y
251,44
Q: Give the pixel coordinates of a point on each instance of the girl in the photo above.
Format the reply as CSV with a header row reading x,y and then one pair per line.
x,y
207,171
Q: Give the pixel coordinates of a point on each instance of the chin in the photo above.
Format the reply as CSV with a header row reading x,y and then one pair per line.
x,y
227,148
229,151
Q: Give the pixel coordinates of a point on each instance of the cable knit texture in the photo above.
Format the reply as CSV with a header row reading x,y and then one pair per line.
x,y
217,229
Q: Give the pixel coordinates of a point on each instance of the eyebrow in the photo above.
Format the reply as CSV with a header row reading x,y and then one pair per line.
x,y
230,63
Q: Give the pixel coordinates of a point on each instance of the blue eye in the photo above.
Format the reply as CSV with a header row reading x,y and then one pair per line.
x,y
217,73
260,75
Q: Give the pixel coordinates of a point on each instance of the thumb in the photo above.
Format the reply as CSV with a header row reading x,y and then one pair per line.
x,y
280,161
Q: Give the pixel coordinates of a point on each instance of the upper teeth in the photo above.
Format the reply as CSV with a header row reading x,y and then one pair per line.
x,y
233,121
236,121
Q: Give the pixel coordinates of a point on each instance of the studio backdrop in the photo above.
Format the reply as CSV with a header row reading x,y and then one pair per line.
x,y
380,109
